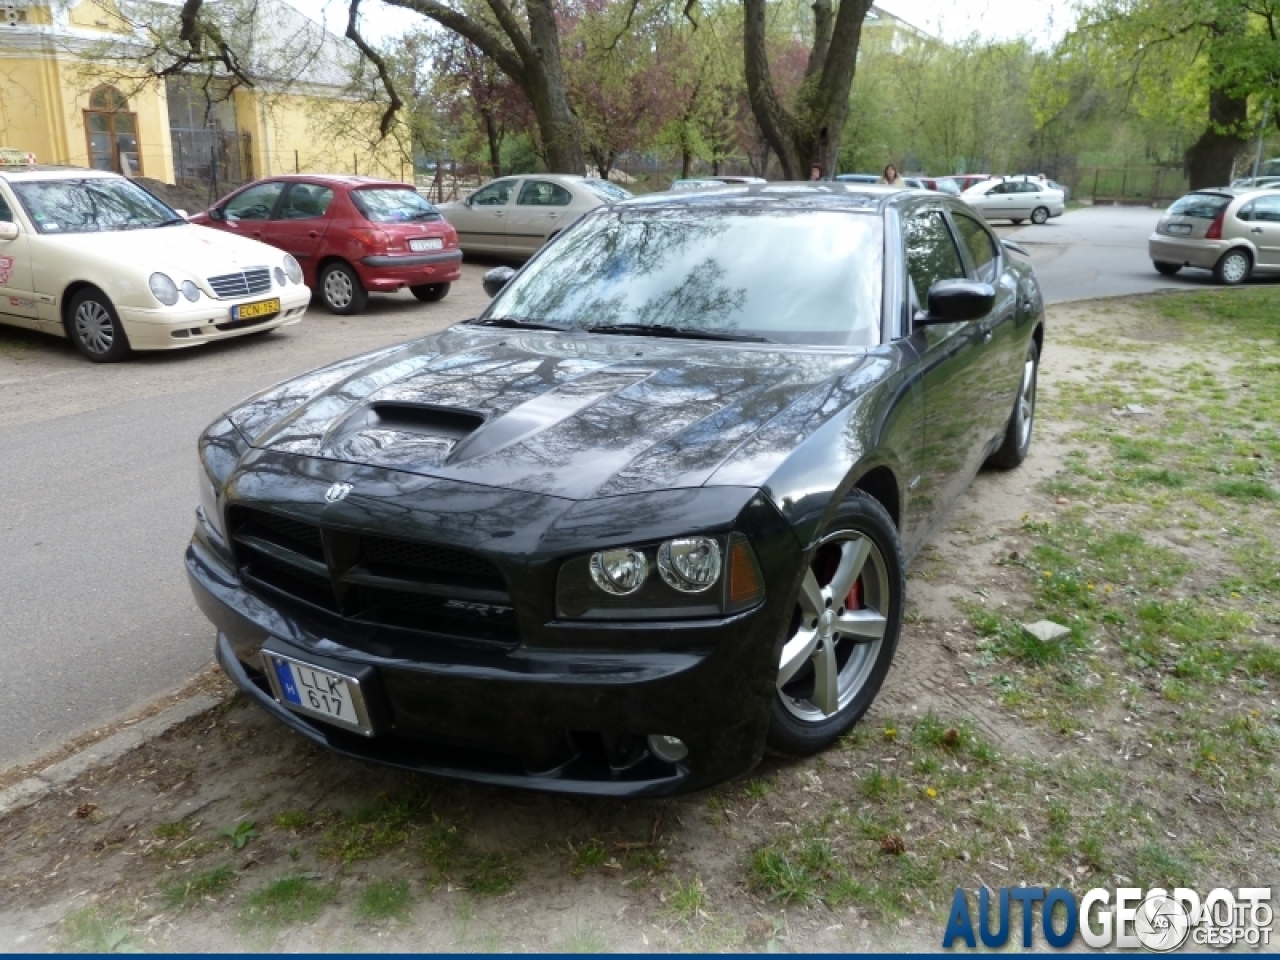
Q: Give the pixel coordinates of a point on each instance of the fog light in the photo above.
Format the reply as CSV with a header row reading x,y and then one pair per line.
x,y
670,749
619,571
689,564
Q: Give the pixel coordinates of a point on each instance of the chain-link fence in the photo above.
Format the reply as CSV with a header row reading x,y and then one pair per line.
x,y
1153,185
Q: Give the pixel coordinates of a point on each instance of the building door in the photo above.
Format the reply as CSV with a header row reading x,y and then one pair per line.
x,y
112,132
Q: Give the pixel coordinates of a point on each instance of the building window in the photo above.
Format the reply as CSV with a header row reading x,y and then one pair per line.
x,y
112,131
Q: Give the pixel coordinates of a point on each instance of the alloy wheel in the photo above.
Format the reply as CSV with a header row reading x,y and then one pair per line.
x,y
840,625
337,289
94,327
1235,267
1026,401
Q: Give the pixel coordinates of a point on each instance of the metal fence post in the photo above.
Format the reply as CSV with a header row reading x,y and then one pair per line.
x,y
1095,185
296,168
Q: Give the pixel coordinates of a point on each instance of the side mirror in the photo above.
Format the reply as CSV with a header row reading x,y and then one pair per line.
x,y
499,277
955,301
215,213
8,230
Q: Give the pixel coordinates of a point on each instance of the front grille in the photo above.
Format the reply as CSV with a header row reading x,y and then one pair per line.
x,y
374,581
246,283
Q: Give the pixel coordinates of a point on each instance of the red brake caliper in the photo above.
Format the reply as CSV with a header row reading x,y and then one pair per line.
x,y
854,600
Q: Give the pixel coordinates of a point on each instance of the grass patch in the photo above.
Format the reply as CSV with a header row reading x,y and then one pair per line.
x,y
385,900
199,888
290,900
95,930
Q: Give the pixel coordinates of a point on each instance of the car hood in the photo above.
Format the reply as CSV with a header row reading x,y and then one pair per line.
x,y
174,250
574,416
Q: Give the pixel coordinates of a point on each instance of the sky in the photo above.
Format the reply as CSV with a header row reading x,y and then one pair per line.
x,y
1043,21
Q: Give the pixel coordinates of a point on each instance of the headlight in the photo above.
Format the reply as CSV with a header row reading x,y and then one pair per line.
x,y
620,572
291,269
699,576
689,564
190,291
165,290
279,274
209,501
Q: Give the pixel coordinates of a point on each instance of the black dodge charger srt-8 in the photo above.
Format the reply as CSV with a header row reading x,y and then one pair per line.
x,y
646,514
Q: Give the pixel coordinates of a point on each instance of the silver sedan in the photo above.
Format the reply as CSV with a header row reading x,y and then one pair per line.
x,y
1015,200
514,216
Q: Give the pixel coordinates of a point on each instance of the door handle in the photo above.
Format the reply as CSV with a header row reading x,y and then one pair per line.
x,y
1256,230
498,213
257,234
312,234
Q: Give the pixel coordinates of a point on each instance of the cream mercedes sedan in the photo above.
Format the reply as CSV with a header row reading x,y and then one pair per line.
x,y
93,257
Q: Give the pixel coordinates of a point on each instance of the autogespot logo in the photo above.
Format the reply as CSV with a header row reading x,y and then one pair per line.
x,y
1156,919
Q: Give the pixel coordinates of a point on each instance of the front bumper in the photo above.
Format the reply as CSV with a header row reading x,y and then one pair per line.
x,y
567,710
1188,253
191,324
411,270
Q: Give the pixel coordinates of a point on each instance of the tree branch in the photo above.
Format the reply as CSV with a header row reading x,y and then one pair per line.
x,y
394,103
489,42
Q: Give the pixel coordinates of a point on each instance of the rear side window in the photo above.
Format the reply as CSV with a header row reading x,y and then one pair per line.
x,y
393,205
305,201
980,245
542,193
1204,206
931,253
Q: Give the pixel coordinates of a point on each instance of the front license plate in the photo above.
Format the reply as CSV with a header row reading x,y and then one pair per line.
x,y
255,311
426,243
320,693
1179,229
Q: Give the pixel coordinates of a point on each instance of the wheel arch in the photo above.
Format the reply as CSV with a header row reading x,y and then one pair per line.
x,y
73,289
881,484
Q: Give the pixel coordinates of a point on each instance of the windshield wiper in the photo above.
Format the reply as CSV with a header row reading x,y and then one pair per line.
x,y
171,222
519,323
669,330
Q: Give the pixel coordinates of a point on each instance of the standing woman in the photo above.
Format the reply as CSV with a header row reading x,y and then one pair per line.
x,y
892,177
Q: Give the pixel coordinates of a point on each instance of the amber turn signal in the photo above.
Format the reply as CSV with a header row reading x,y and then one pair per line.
x,y
746,585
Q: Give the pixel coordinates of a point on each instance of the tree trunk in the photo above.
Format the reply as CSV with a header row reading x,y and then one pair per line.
x,y
1208,161
547,92
495,143
686,161
810,131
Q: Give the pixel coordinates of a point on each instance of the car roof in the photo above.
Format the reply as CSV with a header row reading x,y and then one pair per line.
x,y
348,180
48,171
800,195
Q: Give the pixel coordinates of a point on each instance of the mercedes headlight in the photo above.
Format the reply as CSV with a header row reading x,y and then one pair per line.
x,y
165,290
279,275
189,290
292,269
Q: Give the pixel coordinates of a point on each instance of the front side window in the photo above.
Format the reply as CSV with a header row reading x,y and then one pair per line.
x,y
810,277
495,194
92,205
306,201
931,253
6,214
980,244
543,193
256,203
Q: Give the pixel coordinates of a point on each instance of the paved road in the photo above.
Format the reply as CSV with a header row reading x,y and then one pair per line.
x,y
97,489
1099,252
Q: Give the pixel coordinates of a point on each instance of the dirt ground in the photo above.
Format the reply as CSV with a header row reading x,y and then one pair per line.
x,y
985,761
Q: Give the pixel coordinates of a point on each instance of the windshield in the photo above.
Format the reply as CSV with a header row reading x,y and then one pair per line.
x,y
810,277
393,205
1204,206
607,191
91,205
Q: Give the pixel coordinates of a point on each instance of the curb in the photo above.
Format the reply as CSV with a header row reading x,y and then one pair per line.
x,y
108,750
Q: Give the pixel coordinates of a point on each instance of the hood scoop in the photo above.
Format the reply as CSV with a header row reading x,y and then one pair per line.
x,y
398,434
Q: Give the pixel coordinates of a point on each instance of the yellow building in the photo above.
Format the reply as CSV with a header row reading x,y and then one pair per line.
x,y
74,90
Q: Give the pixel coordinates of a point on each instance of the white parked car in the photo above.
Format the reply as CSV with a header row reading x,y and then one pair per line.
x,y
93,257
1016,200
515,216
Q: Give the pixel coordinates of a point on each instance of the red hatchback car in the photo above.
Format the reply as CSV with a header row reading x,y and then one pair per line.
x,y
352,235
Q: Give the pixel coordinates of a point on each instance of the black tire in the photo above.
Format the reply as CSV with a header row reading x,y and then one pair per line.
x,y
431,292
341,291
94,327
798,727
1168,269
1040,215
1016,222
1017,435
1233,267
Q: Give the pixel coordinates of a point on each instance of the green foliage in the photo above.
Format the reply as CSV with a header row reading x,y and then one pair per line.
x,y
291,899
239,833
385,900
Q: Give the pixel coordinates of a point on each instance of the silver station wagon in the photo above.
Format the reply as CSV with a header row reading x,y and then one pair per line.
x,y
1235,233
